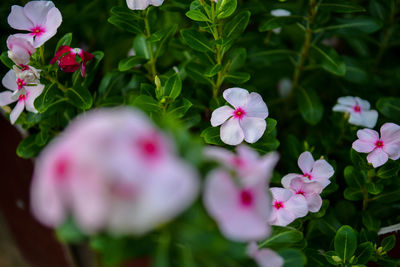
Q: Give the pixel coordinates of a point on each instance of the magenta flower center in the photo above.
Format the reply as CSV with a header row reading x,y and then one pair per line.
x,y
37,31
307,175
24,67
61,168
278,205
239,113
149,147
379,144
357,108
238,162
300,192
21,83
246,198
21,98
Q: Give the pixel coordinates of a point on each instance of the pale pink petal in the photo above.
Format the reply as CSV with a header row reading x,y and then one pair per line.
x,y
237,97
393,150
281,217
246,153
390,133
37,11
370,117
156,2
137,4
219,154
305,162
20,49
10,80
19,107
347,101
377,158
368,135
297,205
312,188
296,184
253,128
231,133
256,106
33,93
286,180
314,202
6,98
364,104
18,20
342,108
220,115
264,257
322,170
363,146
280,194
53,21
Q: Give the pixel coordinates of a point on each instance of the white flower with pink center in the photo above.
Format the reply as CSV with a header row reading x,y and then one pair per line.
x,y
142,4
111,169
250,167
264,257
241,212
20,92
20,50
310,191
40,18
246,120
382,148
27,75
319,171
359,110
286,206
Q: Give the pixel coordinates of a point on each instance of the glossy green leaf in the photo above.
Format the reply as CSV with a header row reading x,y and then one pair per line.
x,y
135,27
46,98
329,59
80,97
237,77
388,243
235,27
310,106
211,136
341,7
225,8
282,237
364,252
147,104
130,62
292,257
197,15
179,108
69,233
353,194
173,86
389,170
236,58
277,22
213,70
389,107
6,60
360,24
197,40
28,148
345,242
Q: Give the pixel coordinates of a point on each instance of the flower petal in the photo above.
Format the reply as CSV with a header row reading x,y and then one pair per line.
x,y
347,101
253,128
156,2
18,20
370,118
33,93
364,104
6,98
393,150
264,257
231,133
237,97
322,170
53,21
281,217
256,106
19,107
368,135
342,108
37,11
297,205
280,194
363,146
286,180
220,115
305,162
390,133
137,4
223,156
314,202
10,80
377,158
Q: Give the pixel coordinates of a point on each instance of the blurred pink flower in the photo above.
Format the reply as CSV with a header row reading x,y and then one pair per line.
x,y
142,4
319,171
359,110
23,94
286,206
241,212
20,50
66,59
379,149
264,257
40,18
250,167
247,119
310,191
112,169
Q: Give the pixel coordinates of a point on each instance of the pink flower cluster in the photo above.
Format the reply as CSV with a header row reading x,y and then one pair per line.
x,y
359,111
112,169
301,192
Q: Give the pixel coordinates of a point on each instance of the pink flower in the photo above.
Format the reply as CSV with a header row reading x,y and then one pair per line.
x,y
245,121
264,257
142,4
359,110
379,149
250,167
40,18
19,49
23,94
66,59
286,206
241,212
319,171
111,169
310,191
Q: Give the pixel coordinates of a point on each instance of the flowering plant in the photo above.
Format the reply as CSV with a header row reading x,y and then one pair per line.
x,y
210,132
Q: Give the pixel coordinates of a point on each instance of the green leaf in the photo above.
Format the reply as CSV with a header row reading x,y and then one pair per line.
x,y
178,109
6,60
292,257
80,97
130,62
389,107
370,222
141,47
355,72
358,160
46,98
173,86
237,77
28,148
161,257
365,25
197,15
329,59
282,237
197,40
353,194
353,177
196,72
146,103
277,22
211,135
225,8
345,242
364,252
65,40
235,27
236,58
131,26
388,196
310,106
69,233
341,7
374,188
388,243
42,137
389,170
271,125
213,70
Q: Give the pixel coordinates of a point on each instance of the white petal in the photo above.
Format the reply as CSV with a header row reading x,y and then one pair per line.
x,y
314,202
33,93
390,133
368,135
53,21
280,12
137,4
6,98
322,170
220,115
393,150
342,108
370,118
280,194
363,146
356,119
288,178
18,20
156,2
237,97
253,128
256,106
378,157
19,107
347,101
10,80
364,104
305,162
37,11
231,133
297,205
282,217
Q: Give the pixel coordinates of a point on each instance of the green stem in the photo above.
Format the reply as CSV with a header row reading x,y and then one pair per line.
x,y
41,49
152,61
218,53
48,77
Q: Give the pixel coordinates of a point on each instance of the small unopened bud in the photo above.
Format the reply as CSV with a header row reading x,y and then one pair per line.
x,y
352,259
159,89
336,259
